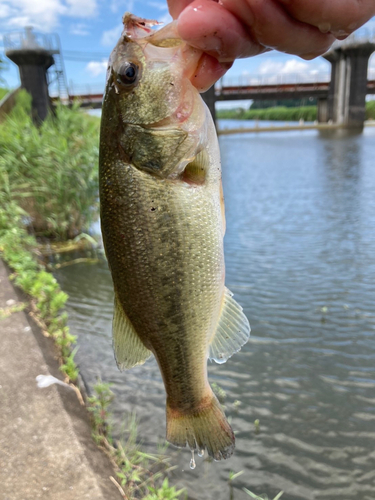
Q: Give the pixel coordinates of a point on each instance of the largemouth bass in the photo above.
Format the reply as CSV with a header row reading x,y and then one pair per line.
x,y
162,218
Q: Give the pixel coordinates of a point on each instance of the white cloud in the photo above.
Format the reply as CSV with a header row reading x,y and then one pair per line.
x,y
292,70
5,10
44,14
110,37
123,6
81,8
80,29
19,22
96,68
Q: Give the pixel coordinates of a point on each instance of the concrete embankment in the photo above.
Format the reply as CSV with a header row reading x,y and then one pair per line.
x,y
46,448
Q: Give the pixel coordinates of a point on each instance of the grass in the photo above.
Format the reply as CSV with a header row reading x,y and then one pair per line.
x,y
47,300
262,497
281,113
3,92
308,113
138,474
51,171
370,110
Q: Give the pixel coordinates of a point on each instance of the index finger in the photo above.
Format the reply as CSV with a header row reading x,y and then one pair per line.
x,y
177,6
340,17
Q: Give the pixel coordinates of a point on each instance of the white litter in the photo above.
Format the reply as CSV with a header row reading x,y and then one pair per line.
x,y
47,380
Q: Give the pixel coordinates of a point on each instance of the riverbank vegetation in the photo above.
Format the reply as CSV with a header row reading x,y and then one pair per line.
x,y
19,250
3,92
282,113
370,110
139,474
51,172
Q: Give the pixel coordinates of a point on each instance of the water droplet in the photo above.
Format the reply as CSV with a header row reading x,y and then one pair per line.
x,y
200,453
192,461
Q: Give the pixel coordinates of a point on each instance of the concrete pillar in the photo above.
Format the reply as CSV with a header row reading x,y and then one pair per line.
x,y
347,94
209,98
323,115
357,83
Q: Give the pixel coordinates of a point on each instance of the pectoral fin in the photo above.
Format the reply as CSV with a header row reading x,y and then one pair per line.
x,y
233,330
128,347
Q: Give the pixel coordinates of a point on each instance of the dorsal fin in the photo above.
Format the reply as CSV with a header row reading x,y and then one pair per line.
x,y
128,347
232,332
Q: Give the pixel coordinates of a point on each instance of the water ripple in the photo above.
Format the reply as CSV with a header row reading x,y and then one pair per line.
x,y
300,248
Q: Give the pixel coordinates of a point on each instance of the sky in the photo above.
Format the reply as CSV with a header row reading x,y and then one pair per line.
x,y
89,29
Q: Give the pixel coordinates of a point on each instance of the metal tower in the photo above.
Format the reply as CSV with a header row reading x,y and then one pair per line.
x,y
40,64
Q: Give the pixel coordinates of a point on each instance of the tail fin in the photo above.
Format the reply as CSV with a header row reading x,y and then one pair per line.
x,y
202,428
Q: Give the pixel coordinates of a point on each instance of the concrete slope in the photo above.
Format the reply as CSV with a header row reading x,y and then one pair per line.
x,y
46,449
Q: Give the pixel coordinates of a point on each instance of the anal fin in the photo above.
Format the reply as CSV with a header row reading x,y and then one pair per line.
x,y
128,347
232,332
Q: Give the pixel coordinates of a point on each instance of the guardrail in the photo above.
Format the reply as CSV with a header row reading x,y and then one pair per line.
x,y
29,39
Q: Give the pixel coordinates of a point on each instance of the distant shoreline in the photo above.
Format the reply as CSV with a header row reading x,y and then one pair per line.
x,y
282,113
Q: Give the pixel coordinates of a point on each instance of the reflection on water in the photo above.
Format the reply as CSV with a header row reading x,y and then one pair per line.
x,y
299,249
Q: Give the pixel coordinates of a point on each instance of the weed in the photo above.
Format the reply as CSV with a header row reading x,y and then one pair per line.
x,y
165,492
307,113
219,392
257,426
5,312
99,408
138,473
69,367
231,478
261,497
18,249
51,171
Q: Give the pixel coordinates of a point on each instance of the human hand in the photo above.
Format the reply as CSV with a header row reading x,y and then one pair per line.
x,y
234,29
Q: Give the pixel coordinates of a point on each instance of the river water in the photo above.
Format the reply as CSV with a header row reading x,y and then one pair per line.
x,y
300,258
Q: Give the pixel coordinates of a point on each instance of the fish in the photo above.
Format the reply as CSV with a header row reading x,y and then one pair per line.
x,y
163,224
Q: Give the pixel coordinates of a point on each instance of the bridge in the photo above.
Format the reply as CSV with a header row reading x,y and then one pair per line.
x,y
242,91
341,97
223,92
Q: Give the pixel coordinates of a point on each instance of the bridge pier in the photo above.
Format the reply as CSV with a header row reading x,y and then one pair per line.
x,y
323,110
346,102
209,98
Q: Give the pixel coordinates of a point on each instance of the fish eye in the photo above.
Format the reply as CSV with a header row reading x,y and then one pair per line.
x,y
127,74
